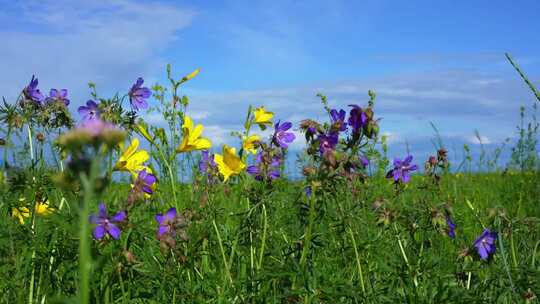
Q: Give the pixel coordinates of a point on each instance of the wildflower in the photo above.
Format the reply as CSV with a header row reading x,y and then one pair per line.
x,y
43,208
90,111
451,227
58,96
32,92
308,191
192,137
145,182
485,244
338,119
327,142
229,163
207,161
266,167
402,169
357,118
131,159
166,223
263,118
364,160
250,143
281,137
20,213
91,132
105,224
138,95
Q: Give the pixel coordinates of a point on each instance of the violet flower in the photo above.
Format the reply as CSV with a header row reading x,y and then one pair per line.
x,y
261,170
338,118
402,169
167,223
138,95
281,137
485,244
451,227
327,142
145,182
105,224
364,160
207,161
90,111
58,96
32,92
357,118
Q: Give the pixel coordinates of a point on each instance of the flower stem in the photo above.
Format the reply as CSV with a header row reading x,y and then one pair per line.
x,y
222,252
358,264
261,254
84,240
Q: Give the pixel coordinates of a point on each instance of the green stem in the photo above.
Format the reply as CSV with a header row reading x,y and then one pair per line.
x,y
85,258
261,254
307,237
358,264
222,252
516,67
30,143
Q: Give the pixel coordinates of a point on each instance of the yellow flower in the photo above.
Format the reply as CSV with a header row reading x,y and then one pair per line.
x,y
262,117
192,137
249,143
20,213
42,208
191,75
229,163
132,160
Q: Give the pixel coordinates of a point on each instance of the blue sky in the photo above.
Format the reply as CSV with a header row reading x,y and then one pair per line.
x,y
427,60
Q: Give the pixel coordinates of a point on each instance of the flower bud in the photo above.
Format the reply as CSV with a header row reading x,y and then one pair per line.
x,y
40,137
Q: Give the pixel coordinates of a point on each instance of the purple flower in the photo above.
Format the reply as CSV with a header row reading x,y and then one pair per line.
x,y
90,111
32,92
207,161
145,181
402,169
338,118
485,244
357,118
307,191
105,224
263,170
167,222
138,95
364,160
58,96
327,141
451,227
281,137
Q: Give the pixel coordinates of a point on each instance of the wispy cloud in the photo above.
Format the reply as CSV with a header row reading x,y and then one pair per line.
x,y
68,43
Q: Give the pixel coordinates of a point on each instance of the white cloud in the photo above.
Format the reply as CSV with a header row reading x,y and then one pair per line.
x,y
477,140
68,43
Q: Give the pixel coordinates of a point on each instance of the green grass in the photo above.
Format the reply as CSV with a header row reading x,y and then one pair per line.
x,y
252,243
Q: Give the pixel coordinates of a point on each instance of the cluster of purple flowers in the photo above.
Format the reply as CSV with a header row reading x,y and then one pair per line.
x,y
31,92
266,167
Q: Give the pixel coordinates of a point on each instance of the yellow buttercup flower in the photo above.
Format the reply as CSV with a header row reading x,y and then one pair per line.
x,y
192,137
43,208
20,213
229,163
131,159
262,117
249,143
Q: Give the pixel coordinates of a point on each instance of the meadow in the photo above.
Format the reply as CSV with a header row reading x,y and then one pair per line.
x,y
197,223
